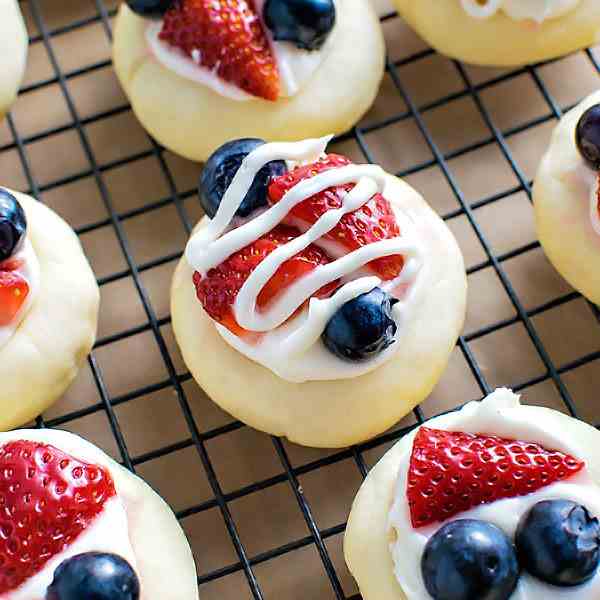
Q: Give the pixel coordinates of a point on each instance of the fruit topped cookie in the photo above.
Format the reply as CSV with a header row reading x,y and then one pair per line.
x,y
498,501
566,196
75,525
504,32
13,52
48,308
201,72
318,299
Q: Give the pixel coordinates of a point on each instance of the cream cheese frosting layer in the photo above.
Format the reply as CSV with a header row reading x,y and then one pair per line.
x,y
497,415
536,10
296,66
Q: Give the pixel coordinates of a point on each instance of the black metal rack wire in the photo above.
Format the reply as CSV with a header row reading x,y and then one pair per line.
x,y
197,438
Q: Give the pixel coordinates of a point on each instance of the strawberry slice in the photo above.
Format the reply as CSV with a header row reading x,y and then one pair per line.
x,y
13,293
373,222
218,290
451,472
47,499
226,37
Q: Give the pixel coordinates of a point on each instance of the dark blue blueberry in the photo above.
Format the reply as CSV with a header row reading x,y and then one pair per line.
x,y
587,136
222,166
153,9
558,542
362,327
305,23
94,576
470,560
13,225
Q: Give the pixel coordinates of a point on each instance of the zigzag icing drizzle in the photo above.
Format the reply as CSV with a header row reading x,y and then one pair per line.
x,y
216,242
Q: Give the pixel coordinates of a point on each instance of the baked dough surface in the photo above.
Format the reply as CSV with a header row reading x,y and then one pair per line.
x,y
562,208
165,564
193,121
341,412
43,356
13,52
500,40
366,543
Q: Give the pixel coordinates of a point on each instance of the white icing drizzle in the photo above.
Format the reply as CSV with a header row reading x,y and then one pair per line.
x,y
30,271
216,242
498,414
536,10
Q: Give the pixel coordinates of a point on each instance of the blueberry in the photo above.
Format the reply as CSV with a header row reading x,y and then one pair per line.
x,y
94,576
470,560
558,542
362,327
13,225
222,166
587,136
305,23
154,9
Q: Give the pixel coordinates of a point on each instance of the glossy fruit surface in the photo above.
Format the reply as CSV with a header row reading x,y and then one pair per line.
x,y
13,225
451,472
226,37
373,222
362,328
13,293
220,170
558,541
470,560
587,136
153,9
305,23
94,576
53,497
218,290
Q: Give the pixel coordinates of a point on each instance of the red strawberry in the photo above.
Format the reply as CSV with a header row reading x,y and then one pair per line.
x,y
13,292
452,472
47,498
227,37
218,290
373,222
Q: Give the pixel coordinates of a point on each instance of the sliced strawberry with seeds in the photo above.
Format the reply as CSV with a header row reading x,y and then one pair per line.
x,y
226,37
218,290
373,222
13,293
451,472
47,499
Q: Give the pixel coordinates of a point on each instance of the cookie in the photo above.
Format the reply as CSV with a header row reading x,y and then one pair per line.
x,y
330,309
478,503
13,52
193,96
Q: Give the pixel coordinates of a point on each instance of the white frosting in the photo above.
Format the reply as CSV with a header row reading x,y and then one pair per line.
x,y
498,415
30,271
536,10
107,533
295,65
293,349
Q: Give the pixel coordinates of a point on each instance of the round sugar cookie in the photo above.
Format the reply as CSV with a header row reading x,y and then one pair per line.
x,y
192,120
500,40
43,355
565,195
13,52
383,549
333,411
133,521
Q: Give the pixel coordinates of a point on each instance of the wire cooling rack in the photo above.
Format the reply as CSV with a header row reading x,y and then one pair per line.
x,y
247,564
